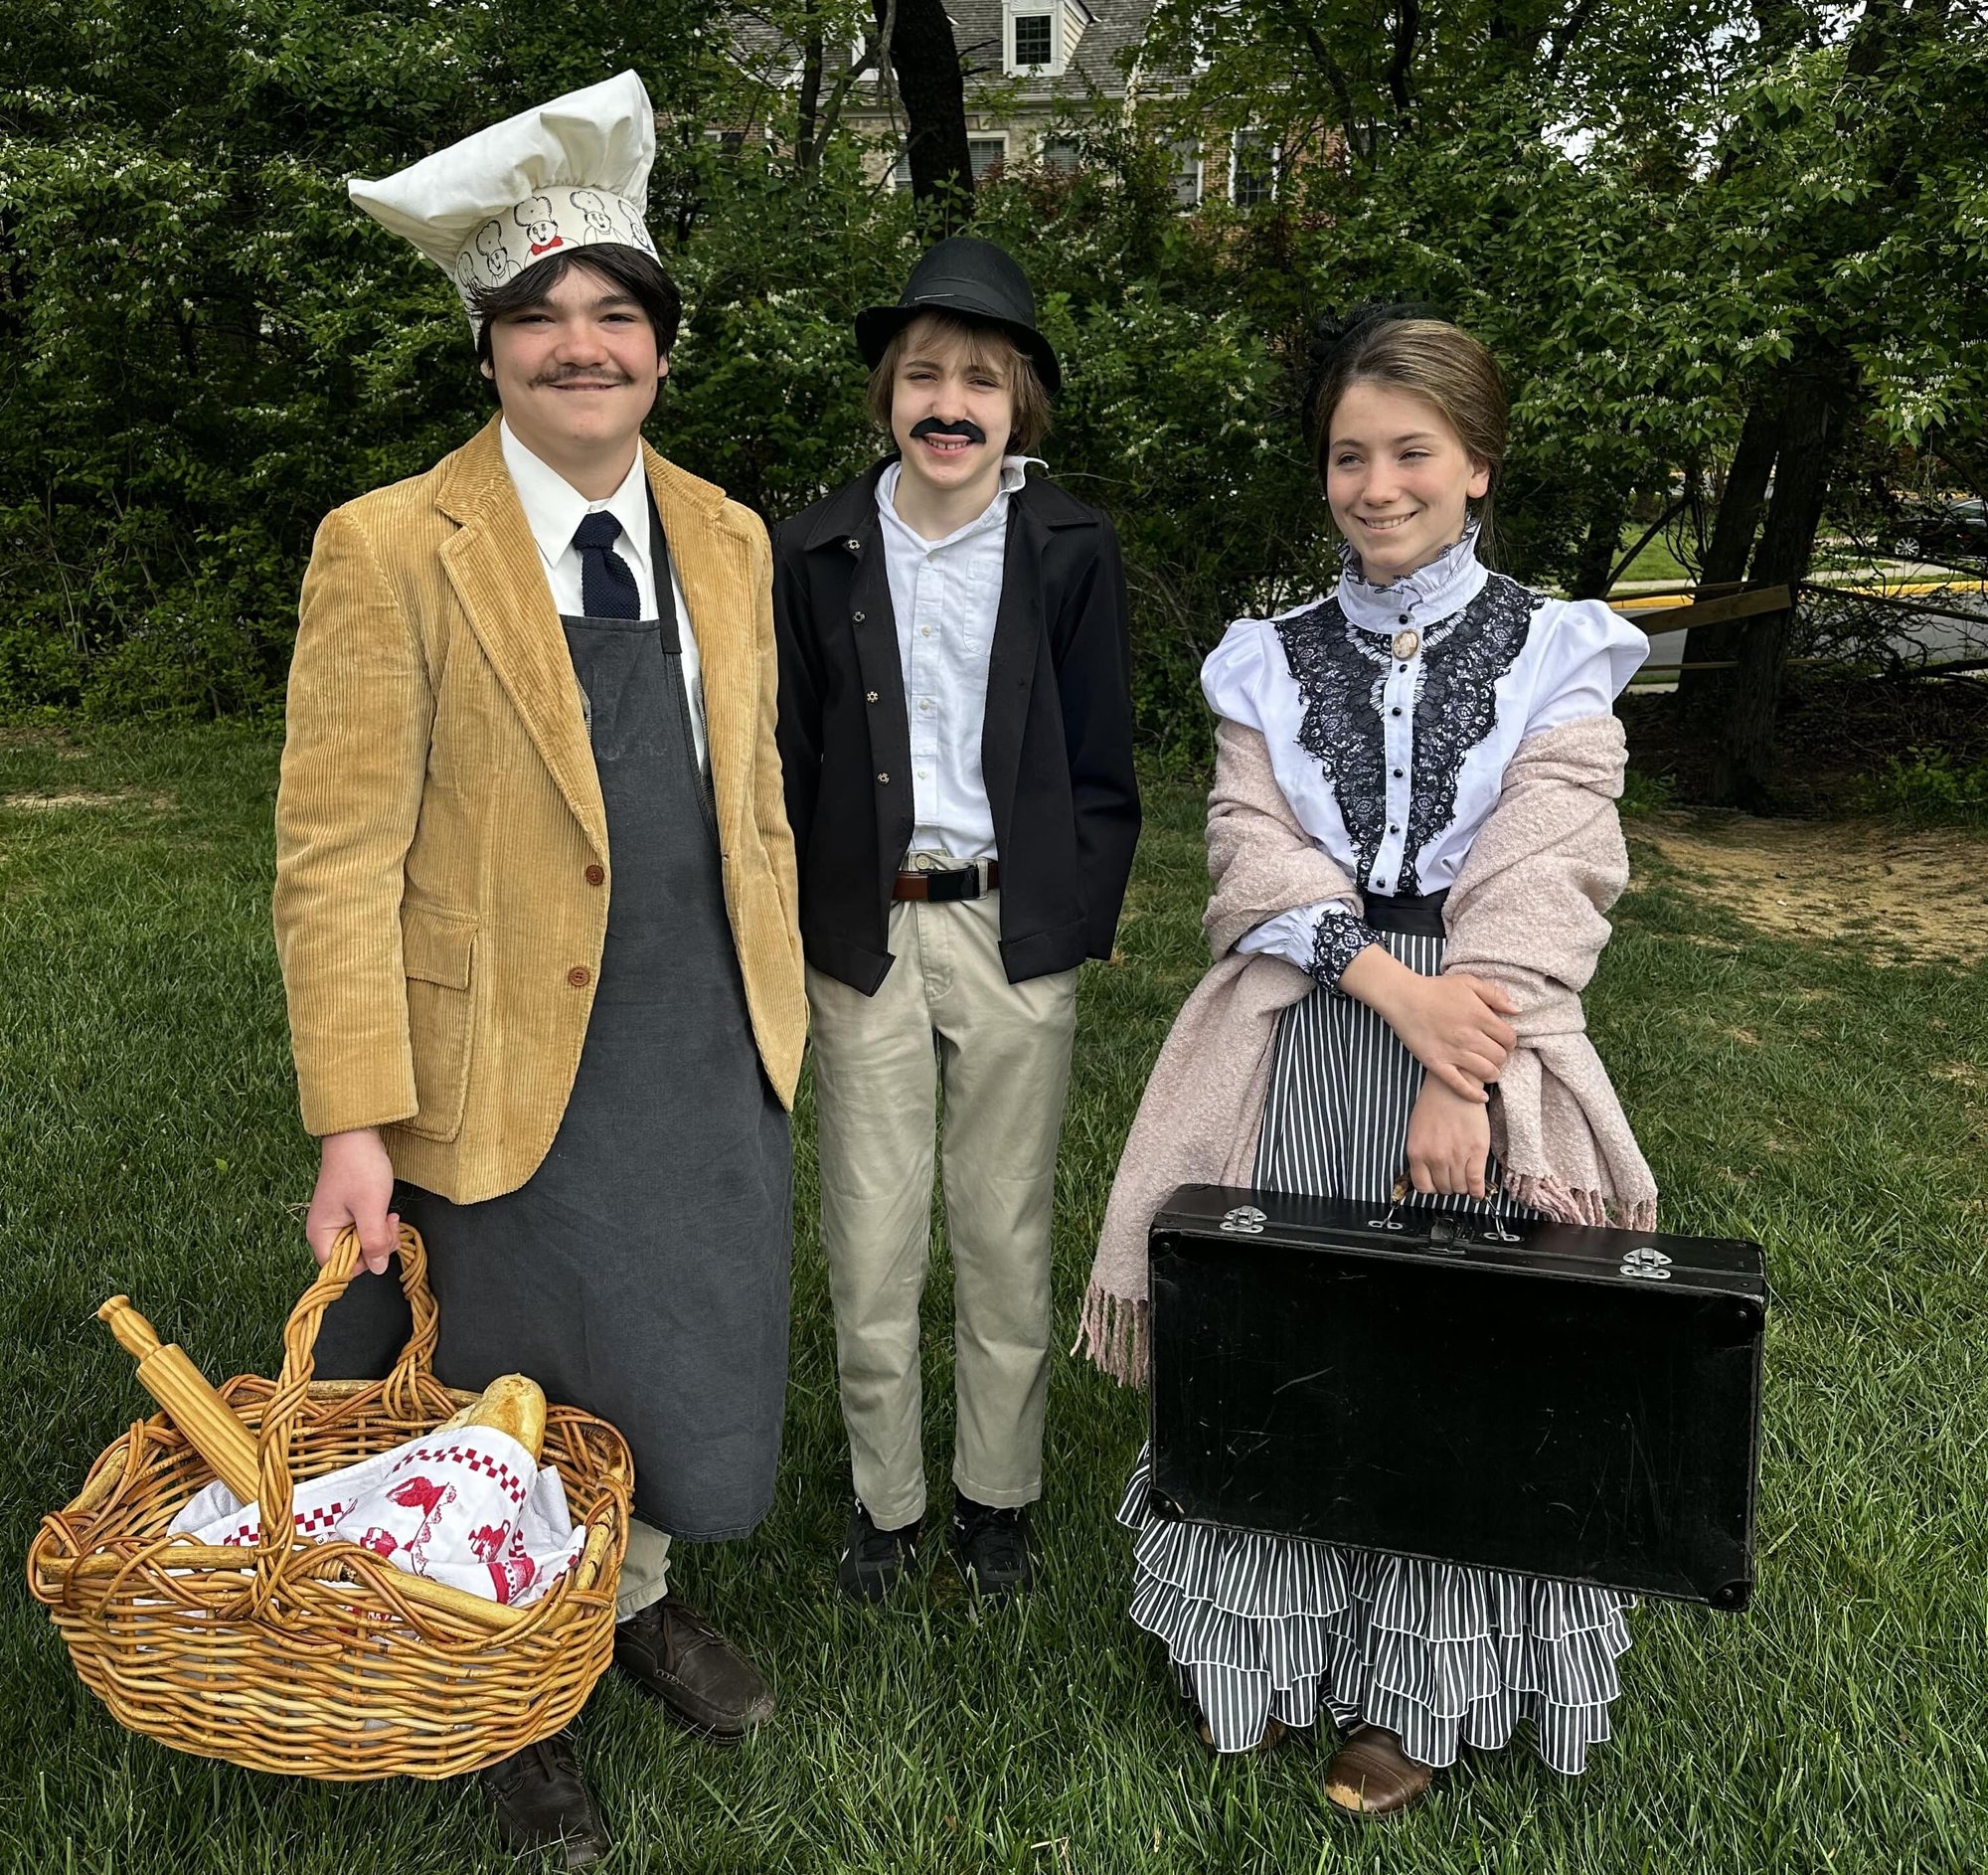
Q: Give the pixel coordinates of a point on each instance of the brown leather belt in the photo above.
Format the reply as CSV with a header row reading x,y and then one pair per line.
x,y
941,888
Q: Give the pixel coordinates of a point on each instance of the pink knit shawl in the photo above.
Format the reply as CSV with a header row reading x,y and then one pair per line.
x,y
1526,912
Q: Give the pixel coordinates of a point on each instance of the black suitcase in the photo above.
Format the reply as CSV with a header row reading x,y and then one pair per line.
x,y
1524,1395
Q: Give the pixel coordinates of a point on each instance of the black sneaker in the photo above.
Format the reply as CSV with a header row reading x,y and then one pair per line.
x,y
873,1560
992,1549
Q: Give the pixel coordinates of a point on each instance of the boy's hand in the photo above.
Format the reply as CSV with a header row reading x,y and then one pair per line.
x,y
355,1185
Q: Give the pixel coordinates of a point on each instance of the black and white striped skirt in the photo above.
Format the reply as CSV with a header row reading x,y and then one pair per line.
x,y
1261,1627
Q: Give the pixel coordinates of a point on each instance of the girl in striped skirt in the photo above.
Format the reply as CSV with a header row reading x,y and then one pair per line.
x,y
1389,714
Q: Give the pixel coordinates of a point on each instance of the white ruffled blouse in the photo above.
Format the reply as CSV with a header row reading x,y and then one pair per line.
x,y
1392,712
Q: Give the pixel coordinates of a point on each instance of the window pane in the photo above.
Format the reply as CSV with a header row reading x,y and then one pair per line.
x,y
1035,39
1255,178
986,153
1060,153
900,171
1187,174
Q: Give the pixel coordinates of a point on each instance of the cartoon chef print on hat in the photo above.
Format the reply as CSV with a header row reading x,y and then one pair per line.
x,y
560,176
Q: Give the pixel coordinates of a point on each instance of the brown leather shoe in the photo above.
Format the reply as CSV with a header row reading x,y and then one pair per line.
x,y
1274,1733
1371,1776
542,1801
704,1683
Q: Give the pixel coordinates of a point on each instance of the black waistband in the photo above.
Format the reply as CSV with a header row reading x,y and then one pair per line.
x,y
1419,917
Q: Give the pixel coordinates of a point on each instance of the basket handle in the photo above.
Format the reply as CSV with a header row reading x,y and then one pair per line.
x,y
401,1392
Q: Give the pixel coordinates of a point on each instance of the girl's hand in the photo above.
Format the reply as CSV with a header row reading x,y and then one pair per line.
x,y
1453,1025
1449,1140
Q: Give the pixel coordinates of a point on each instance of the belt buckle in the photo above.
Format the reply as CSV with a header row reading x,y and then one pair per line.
x,y
953,884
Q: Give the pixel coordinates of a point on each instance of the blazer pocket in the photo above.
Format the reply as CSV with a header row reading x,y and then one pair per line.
x,y
438,952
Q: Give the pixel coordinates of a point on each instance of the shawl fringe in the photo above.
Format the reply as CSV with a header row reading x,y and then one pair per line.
x,y
1115,1334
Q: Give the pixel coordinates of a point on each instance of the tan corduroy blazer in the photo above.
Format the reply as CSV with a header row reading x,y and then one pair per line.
x,y
443,873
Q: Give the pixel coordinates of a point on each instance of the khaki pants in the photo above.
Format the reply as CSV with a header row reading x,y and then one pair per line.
x,y
945,1014
644,1569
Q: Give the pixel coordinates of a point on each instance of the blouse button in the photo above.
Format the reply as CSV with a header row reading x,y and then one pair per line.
x,y
1379,885
1394,829
1399,773
1403,619
1396,711
1405,670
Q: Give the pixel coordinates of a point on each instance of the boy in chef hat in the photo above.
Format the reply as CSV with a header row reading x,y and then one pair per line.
x,y
535,895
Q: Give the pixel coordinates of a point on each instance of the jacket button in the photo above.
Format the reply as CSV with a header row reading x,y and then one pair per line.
x,y
856,617
597,875
853,545
579,977
870,696
885,779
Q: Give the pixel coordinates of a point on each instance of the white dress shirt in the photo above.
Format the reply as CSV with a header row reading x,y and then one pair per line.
x,y
554,509
1560,660
946,595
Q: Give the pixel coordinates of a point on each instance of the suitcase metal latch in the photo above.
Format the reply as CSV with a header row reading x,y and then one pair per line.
x,y
1244,1221
1648,1263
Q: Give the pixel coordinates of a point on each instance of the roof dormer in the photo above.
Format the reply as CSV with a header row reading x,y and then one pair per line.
x,y
1039,36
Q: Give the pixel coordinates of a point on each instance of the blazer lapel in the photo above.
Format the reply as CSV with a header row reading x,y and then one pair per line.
x,y
1011,663
493,563
713,561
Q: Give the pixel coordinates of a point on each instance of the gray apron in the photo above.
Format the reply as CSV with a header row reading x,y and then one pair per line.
x,y
641,1272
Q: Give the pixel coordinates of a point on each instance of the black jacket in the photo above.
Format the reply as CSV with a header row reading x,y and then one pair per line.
x,y
1057,743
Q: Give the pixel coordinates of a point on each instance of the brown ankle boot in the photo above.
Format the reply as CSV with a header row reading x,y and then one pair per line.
x,y
1371,1776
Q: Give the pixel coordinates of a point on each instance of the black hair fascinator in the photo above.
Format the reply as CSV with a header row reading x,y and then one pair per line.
x,y
1332,332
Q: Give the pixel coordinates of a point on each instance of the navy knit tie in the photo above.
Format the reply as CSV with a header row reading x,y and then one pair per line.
x,y
606,583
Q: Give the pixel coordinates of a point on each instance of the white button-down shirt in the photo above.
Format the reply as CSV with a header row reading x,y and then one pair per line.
x,y
946,595
554,509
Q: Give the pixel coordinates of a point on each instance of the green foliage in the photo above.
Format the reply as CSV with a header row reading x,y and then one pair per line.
x,y
1932,787
1646,212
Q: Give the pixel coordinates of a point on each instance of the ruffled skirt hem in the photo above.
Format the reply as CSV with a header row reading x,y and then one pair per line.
x,y
1443,1656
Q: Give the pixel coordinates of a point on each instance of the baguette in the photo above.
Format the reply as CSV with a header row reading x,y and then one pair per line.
x,y
510,1404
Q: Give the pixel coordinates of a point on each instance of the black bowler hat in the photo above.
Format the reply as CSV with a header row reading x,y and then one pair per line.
x,y
972,279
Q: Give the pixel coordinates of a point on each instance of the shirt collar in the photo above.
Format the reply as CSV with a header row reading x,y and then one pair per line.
x,y
1014,472
1446,585
554,507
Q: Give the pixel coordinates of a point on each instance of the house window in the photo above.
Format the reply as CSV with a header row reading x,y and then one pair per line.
x,y
1187,174
986,153
1252,169
1060,154
1035,41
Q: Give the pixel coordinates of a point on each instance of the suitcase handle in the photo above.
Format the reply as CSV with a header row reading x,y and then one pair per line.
x,y
1448,1233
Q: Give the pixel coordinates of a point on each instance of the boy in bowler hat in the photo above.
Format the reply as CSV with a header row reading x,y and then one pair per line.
x,y
955,733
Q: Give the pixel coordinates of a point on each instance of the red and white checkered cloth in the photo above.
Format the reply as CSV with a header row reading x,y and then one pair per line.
x,y
468,1508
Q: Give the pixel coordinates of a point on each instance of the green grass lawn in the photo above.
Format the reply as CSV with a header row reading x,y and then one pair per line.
x,y
1835,1110
1654,561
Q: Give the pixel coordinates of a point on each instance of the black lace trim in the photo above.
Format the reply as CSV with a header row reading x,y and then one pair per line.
x,y
1345,714
1340,938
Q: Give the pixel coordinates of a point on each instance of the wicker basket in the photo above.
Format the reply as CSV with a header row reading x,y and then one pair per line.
x,y
308,1658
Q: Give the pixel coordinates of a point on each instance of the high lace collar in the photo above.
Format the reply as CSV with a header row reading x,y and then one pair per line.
x,y
1446,585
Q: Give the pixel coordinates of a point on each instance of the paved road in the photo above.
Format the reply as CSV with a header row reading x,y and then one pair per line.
x,y
1942,638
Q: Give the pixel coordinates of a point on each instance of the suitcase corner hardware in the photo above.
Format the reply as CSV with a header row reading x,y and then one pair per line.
x,y
1244,1221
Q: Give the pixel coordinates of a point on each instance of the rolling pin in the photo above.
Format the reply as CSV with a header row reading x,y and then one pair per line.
x,y
212,1430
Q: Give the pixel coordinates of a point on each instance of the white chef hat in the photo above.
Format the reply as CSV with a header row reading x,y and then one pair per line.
x,y
563,175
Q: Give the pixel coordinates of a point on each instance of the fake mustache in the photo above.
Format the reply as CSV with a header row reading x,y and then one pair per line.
x,y
932,426
582,374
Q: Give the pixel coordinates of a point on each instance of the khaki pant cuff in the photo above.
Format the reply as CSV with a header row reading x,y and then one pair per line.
x,y
1010,1499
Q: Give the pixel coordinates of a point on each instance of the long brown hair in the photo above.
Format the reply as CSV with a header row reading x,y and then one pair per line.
x,y
1438,362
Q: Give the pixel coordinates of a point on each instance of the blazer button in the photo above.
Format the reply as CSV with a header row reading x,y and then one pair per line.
x,y
579,977
870,696
885,779
856,617
853,545
597,875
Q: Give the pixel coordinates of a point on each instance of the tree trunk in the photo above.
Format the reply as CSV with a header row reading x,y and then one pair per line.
x,y
1811,421
1703,696
807,151
926,63
1596,563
